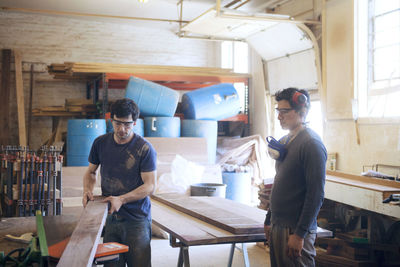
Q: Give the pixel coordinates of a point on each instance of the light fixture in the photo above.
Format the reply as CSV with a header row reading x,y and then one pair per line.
x,y
143,1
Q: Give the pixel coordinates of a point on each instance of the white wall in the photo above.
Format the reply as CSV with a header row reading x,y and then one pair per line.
x,y
379,139
57,39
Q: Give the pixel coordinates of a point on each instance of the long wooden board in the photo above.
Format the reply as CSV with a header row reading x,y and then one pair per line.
x,y
20,99
82,246
386,187
226,214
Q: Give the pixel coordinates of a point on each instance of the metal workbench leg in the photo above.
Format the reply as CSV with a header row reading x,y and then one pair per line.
x,y
245,255
183,259
231,255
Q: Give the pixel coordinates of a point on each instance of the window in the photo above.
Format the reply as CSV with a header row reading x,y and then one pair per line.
x,y
379,64
235,55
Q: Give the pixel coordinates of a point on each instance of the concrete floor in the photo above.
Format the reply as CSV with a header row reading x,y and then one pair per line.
x,y
163,255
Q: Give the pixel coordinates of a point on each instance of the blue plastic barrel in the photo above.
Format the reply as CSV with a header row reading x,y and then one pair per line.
x,y
138,128
215,102
162,127
202,128
153,99
238,186
80,136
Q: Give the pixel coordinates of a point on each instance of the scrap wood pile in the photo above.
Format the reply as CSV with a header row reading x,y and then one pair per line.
x,y
355,249
264,193
72,107
81,70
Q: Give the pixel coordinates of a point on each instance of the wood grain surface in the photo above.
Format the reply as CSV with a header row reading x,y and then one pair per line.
x,y
226,214
192,231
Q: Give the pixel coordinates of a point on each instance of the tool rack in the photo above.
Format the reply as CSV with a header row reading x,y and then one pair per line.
x,y
30,181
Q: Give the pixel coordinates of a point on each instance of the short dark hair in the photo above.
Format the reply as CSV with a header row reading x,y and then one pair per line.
x,y
287,94
125,107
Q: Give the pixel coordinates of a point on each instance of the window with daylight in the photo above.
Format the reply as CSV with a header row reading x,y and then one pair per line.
x,y
379,61
235,55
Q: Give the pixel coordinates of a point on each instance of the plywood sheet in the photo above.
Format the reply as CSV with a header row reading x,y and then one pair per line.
x,y
191,148
231,216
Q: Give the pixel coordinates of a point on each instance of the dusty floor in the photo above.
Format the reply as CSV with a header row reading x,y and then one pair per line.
x,y
163,255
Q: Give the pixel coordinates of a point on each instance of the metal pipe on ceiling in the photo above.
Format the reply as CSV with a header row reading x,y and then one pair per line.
x,y
67,13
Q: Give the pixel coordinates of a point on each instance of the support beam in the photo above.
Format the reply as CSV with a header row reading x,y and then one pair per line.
x,y
5,97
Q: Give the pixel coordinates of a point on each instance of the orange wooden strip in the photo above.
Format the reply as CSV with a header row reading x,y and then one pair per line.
x,y
56,250
110,248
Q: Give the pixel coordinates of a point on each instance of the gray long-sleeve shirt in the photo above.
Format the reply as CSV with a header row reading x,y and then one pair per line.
x,y
298,189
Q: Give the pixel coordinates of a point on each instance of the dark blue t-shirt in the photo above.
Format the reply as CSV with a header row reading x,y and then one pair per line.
x,y
121,166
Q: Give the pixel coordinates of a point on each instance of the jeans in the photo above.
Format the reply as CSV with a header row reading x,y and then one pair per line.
x,y
134,233
278,243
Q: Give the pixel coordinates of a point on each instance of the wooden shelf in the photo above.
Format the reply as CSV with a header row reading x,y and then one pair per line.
x,y
175,81
116,76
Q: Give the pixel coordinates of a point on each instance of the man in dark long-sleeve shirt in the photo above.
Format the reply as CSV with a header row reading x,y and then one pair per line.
x,y
298,190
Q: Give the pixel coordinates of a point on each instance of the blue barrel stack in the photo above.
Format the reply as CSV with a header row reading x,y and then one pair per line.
x,y
202,108
153,99
80,136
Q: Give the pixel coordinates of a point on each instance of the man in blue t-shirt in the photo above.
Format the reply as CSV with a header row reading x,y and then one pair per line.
x,y
128,176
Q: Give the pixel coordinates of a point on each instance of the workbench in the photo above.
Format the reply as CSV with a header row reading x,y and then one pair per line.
x,y
57,229
195,221
362,192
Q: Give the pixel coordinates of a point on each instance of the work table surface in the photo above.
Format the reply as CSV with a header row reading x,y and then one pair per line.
x,y
212,220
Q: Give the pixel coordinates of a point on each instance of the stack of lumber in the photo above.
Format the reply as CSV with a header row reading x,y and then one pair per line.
x,y
72,107
263,195
80,105
79,69
355,249
339,252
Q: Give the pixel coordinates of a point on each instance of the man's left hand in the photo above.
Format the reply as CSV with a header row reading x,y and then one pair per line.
x,y
294,246
115,203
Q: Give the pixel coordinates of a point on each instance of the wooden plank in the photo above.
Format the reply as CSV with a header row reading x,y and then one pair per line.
x,y
385,190
5,96
365,179
323,259
192,231
20,99
82,246
226,214
31,82
384,187
163,72
360,197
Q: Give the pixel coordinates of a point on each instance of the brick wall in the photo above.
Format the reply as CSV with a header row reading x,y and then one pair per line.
x,y
46,39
